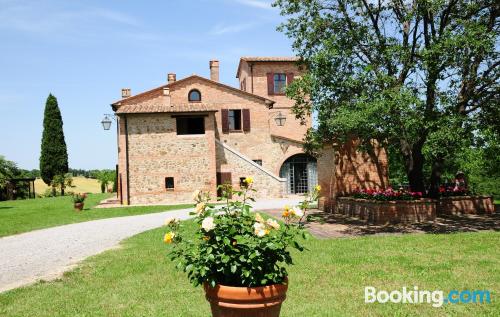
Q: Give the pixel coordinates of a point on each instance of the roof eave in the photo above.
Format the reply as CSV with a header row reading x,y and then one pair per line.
x,y
267,101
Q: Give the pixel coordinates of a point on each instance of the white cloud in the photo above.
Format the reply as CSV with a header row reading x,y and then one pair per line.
x,y
256,3
34,18
221,28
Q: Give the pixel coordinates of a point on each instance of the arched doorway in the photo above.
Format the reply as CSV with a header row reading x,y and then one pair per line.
x,y
301,174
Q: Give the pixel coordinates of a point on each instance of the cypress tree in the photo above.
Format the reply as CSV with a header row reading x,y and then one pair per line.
x,y
54,155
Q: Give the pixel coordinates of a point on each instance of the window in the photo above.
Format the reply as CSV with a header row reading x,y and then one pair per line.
x,y
258,162
279,83
234,117
243,184
194,95
190,125
169,182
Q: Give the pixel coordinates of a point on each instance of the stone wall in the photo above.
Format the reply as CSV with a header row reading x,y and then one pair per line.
x,y
157,152
384,212
266,183
466,205
256,144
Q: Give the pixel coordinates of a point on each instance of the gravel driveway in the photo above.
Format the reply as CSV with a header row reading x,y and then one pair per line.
x,y
47,253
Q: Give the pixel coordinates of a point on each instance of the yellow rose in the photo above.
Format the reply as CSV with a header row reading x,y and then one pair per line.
x,y
318,188
258,218
171,221
259,229
249,180
273,223
206,238
200,207
286,213
169,237
196,195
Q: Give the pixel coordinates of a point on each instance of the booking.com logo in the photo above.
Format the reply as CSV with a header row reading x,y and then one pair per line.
x,y
416,296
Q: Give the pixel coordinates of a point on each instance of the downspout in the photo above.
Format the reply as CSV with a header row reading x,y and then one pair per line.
x,y
251,74
126,159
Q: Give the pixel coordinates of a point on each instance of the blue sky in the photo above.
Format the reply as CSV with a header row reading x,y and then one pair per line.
x,y
84,52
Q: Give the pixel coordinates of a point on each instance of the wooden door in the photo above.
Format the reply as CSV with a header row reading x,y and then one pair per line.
x,y
223,178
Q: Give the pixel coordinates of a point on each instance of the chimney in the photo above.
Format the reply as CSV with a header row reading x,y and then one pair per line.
x,y
126,92
171,78
214,70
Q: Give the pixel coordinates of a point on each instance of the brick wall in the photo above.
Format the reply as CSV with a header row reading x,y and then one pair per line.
x,y
352,169
466,205
384,212
258,77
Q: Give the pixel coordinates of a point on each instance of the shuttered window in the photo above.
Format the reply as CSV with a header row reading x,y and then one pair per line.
x,y
270,83
225,120
277,82
246,120
234,118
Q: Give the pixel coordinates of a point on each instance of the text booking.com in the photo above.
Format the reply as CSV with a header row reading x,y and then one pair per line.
x,y
436,297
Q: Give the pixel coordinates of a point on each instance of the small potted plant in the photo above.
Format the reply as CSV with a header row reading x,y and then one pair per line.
x,y
79,201
237,255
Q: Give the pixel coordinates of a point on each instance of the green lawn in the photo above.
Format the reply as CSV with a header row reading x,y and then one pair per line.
x,y
328,280
18,216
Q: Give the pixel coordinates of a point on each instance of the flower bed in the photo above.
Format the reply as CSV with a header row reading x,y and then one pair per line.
x,y
453,191
382,212
386,195
462,205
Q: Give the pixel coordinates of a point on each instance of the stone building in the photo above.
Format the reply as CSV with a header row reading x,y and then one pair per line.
x,y
197,133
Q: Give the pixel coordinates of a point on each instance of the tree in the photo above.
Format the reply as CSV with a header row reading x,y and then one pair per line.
x,y
54,155
105,177
421,75
8,170
62,181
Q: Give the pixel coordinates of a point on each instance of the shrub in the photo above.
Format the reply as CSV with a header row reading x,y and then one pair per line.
x,y
234,246
79,198
387,194
450,191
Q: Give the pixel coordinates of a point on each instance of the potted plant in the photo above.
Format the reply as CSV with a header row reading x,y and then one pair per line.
x,y
79,201
239,256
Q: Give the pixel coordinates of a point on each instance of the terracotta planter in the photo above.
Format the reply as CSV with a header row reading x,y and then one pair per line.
x,y
78,206
229,301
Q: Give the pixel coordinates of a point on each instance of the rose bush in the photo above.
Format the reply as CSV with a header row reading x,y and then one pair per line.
x,y
79,198
450,191
234,246
386,195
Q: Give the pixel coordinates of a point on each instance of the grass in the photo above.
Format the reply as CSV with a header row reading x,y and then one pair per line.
x,y
328,280
81,185
17,216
